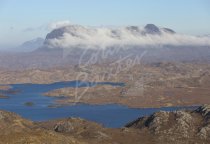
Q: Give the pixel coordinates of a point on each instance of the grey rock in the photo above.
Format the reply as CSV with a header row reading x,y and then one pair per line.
x,y
204,110
152,29
179,126
64,127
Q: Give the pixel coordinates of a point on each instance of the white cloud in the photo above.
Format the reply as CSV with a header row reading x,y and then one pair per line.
x,y
59,24
103,37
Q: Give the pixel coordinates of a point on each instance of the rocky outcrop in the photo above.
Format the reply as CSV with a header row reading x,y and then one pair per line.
x,y
72,125
178,126
204,132
204,110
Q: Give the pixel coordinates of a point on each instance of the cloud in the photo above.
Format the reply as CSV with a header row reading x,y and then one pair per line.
x,y
103,37
59,24
48,27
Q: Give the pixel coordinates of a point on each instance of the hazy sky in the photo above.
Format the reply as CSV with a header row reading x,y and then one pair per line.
x,y
22,20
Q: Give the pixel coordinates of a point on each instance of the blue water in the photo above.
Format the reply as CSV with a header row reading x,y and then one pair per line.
x,y
111,115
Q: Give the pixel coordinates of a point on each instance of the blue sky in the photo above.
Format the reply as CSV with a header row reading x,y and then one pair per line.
x,y
22,20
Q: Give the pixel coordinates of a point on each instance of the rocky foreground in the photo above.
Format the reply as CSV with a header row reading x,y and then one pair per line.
x,y
182,127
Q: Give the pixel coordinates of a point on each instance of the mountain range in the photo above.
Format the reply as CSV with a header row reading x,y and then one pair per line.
x,y
76,44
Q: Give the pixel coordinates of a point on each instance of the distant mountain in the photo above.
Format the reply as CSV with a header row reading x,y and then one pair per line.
x,y
159,43
74,36
76,30
73,44
27,46
30,46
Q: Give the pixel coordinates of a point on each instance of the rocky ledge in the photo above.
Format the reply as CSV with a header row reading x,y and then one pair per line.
x,y
183,127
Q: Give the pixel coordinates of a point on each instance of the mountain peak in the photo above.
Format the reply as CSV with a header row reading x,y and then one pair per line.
x,y
152,29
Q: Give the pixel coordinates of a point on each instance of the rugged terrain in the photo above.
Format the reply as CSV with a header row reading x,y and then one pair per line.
x,y
77,44
178,126
146,85
150,85
183,127
158,66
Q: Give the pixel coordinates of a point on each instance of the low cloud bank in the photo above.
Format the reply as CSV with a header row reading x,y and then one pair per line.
x,y
66,35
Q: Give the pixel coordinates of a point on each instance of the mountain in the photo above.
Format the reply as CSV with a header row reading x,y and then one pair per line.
x,y
93,37
74,44
125,38
31,45
159,43
81,32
